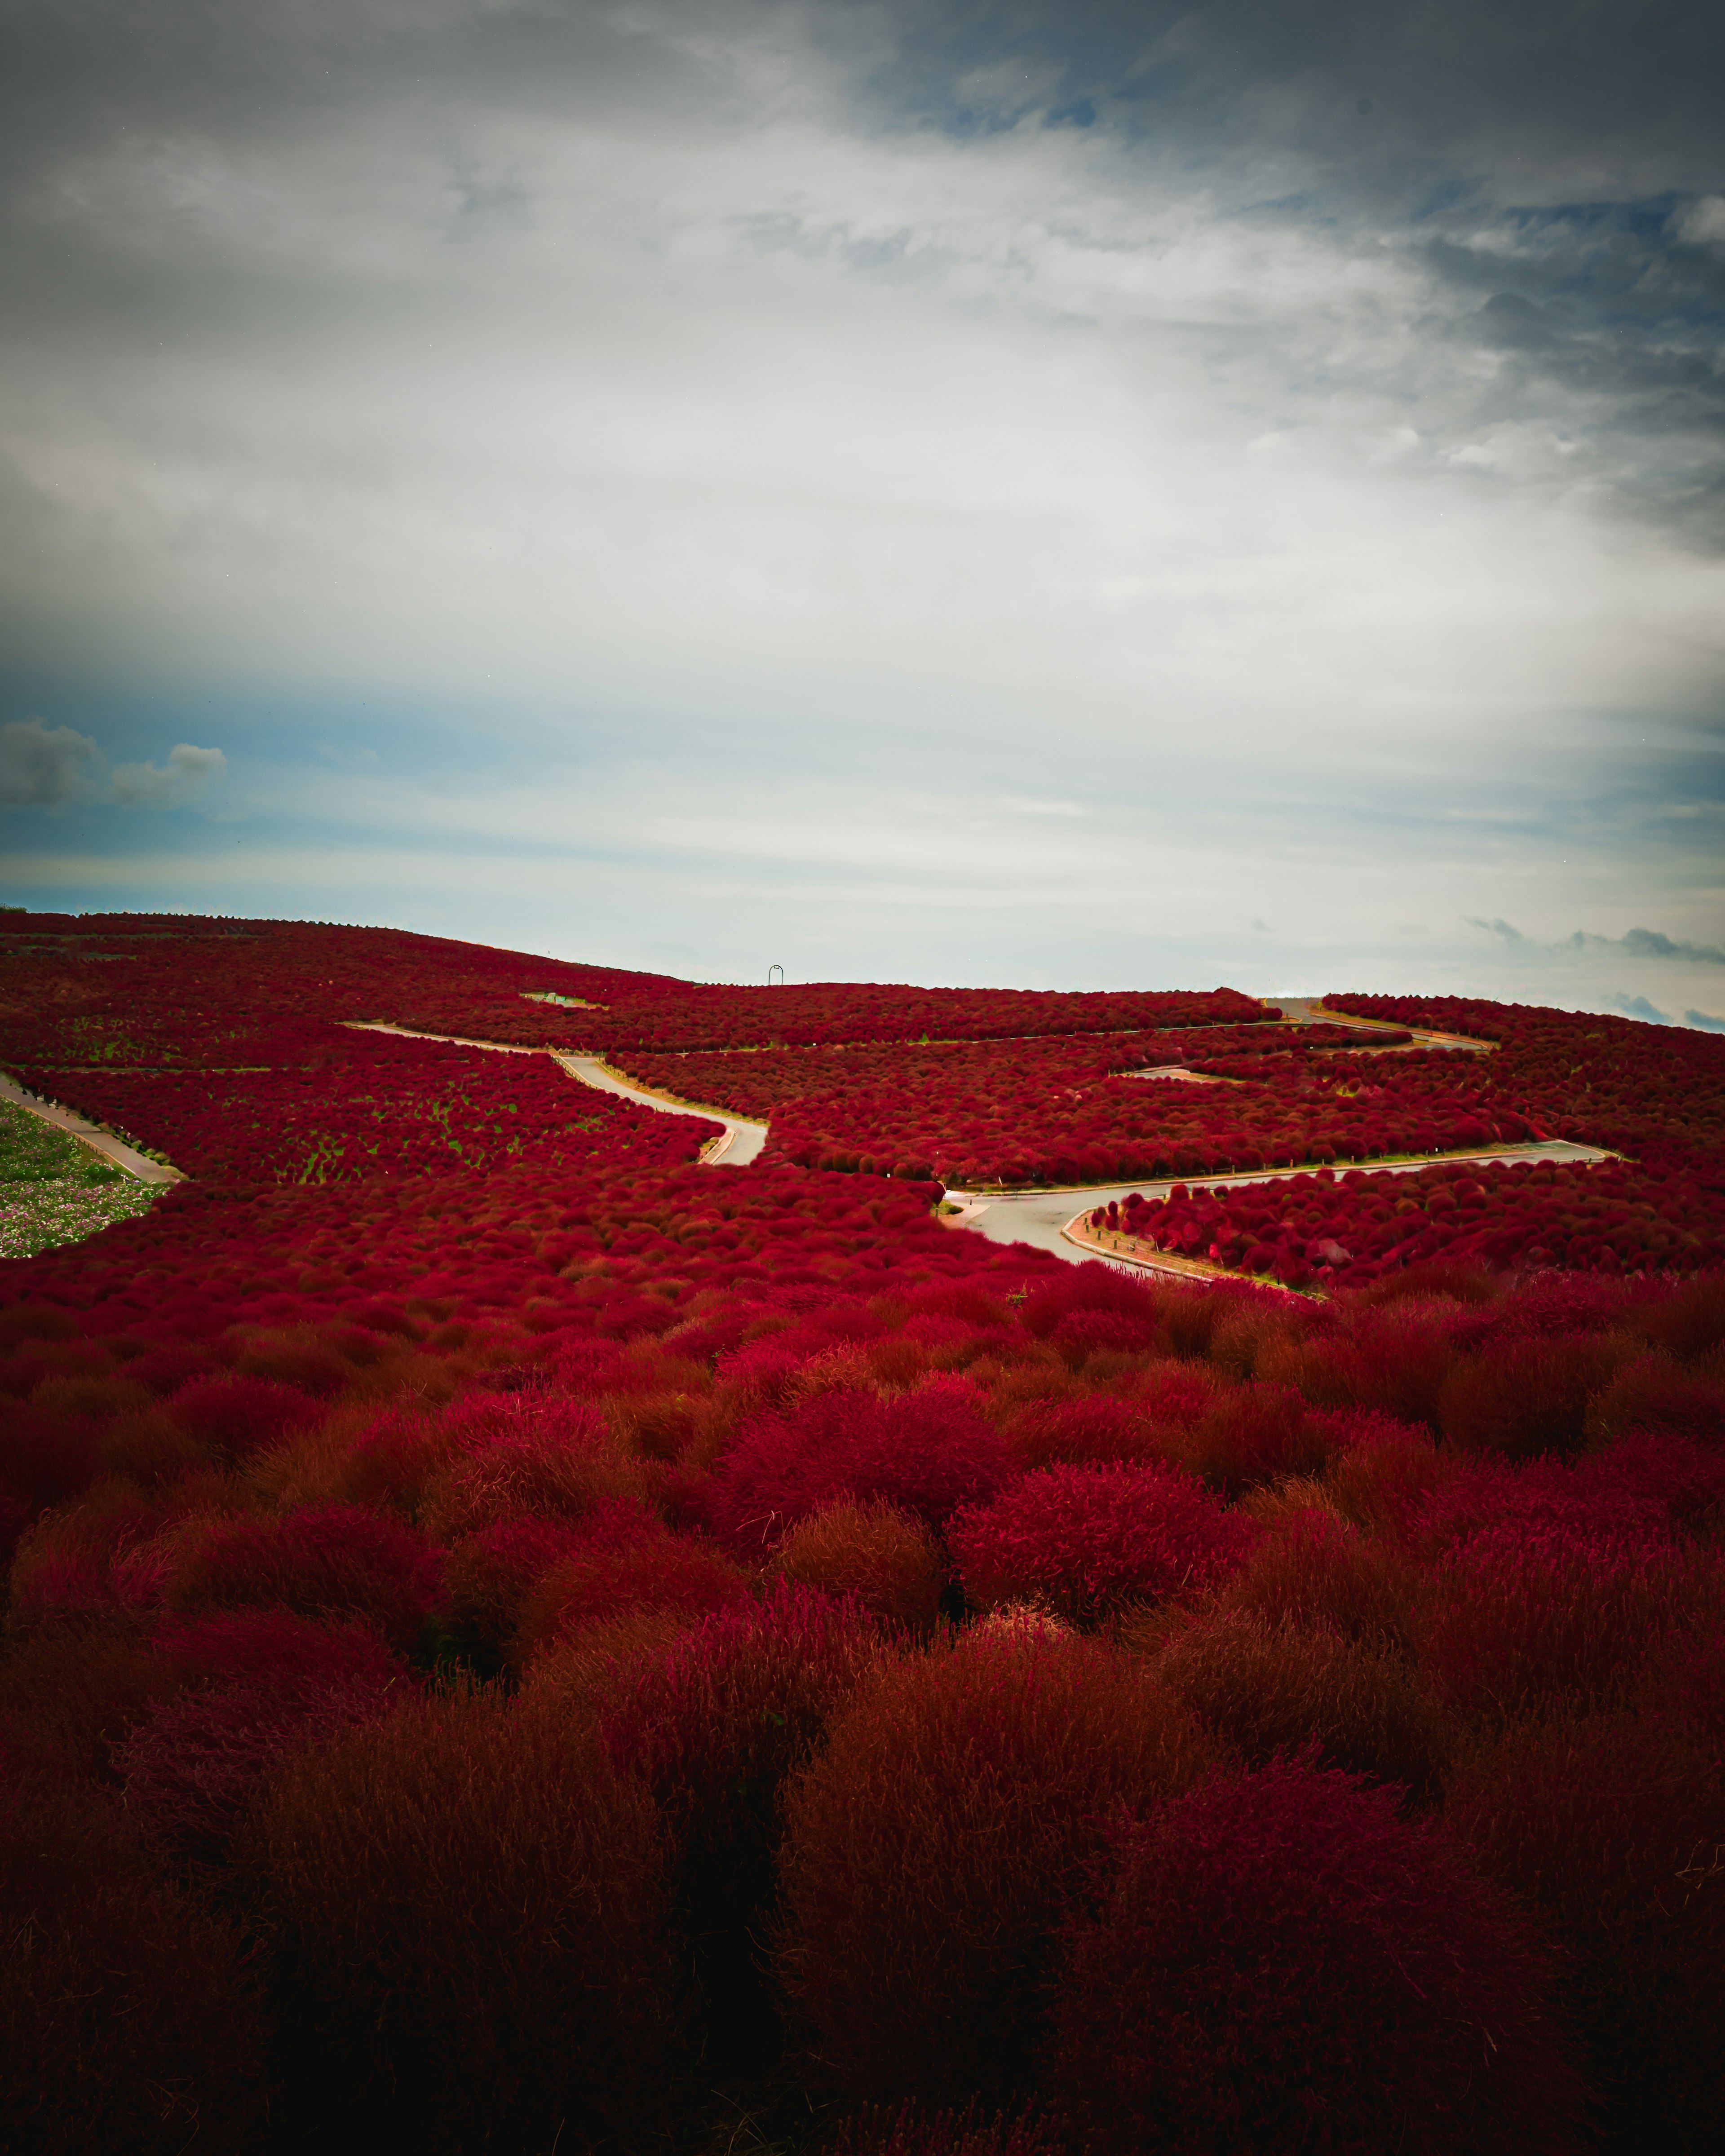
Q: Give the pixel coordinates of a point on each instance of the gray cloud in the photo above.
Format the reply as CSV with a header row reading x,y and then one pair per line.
x,y
43,767
1303,411
1638,1007
1704,1020
1634,943
186,774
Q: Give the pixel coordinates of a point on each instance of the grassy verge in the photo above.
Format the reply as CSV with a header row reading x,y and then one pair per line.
x,y
54,1190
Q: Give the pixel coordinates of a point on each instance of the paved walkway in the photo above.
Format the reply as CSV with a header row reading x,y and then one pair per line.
x,y
743,1139
1310,1010
1042,1218
122,1155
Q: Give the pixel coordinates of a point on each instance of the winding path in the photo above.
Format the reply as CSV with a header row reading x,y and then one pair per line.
x,y
1045,1219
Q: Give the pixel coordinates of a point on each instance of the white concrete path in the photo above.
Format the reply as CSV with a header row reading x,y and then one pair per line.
x,y
135,1164
743,1139
1041,1218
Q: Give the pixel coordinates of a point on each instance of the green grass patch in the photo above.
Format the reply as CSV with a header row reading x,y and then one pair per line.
x,y
54,1190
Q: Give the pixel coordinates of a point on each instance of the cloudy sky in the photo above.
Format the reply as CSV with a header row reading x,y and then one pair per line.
x,y
1063,493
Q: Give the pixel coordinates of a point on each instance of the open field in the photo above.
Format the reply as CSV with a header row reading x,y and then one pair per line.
x,y
515,1639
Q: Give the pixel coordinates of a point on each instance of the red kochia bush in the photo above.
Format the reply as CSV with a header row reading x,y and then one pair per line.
x,y
656,1571
882,2130
469,1896
890,1562
240,1415
1277,1962
1611,1826
1528,1617
1279,1688
1082,1541
262,1680
926,1452
715,1719
334,1561
930,1848
129,2018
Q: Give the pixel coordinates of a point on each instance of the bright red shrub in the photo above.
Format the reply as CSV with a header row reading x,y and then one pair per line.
x,y
930,1848
128,2017
1279,1963
880,1557
336,1561
1084,1541
469,1899
925,1452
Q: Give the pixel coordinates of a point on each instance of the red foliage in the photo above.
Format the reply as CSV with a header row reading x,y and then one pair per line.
x,y
926,1452
930,1847
129,2017
879,1557
468,1899
1609,1827
1279,1963
239,1415
1084,1541
651,1571
262,1681
335,1561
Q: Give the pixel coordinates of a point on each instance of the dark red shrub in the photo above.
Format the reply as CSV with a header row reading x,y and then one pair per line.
x,y
128,2017
1279,1963
240,1415
596,1582
716,1719
487,1576
1534,1616
1271,1689
1311,1569
517,1454
930,1849
1525,1396
1609,1827
470,1899
880,1557
262,1680
1084,1541
926,1452
333,1561
904,2130
1253,1434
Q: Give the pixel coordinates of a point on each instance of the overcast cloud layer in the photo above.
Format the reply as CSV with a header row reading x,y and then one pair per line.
x,y
1062,495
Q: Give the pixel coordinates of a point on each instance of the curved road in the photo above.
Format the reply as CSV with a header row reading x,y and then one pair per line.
x,y
1040,1218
